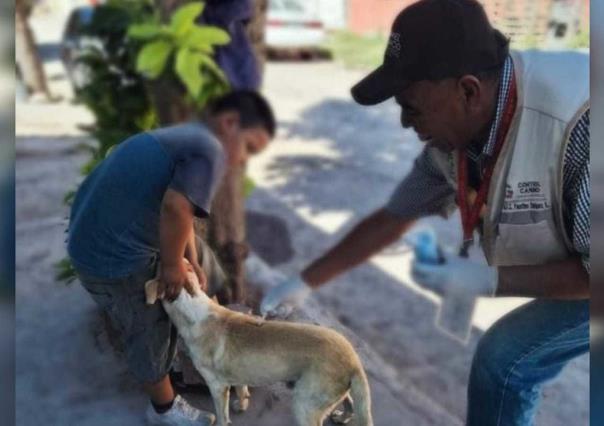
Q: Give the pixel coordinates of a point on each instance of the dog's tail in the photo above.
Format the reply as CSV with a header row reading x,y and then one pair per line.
x,y
361,397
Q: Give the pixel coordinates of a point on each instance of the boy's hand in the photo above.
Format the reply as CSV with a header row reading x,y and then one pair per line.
x,y
201,276
173,278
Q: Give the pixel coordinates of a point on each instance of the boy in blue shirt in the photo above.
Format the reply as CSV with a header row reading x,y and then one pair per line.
x,y
137,208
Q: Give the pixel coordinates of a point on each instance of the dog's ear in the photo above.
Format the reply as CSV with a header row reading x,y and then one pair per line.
x,y
151,291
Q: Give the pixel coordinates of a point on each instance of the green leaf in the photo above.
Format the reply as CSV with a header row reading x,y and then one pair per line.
x,y
109,150
184,18
202,38
187,69
248,186
144,31
147,120
64,271
69,197
152,58
209,64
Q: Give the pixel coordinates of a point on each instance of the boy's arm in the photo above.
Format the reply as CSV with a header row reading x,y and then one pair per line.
x,y
193,257
175,228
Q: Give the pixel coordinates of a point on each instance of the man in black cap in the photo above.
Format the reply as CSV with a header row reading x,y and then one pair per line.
x,y
507,141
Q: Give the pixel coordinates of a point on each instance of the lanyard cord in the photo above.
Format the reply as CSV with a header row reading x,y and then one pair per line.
x,y
470,215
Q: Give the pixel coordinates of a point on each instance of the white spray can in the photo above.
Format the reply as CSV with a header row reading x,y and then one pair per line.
x,y
454,316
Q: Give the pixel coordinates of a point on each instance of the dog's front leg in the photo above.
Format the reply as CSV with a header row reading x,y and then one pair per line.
x,y
220,394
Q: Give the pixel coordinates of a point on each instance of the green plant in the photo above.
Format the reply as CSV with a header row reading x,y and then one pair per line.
x,y
528,41
64,271
185,49
248,186
357,51
580,40
115,92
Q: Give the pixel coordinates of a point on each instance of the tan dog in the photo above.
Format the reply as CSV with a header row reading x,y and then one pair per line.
x,y
233,349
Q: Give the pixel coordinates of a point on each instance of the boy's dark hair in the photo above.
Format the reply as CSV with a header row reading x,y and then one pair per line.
x,y
254,110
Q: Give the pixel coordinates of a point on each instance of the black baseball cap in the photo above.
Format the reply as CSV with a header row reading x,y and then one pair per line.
x,y
434,40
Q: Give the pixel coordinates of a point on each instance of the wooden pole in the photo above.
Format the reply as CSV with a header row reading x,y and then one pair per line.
x,y
26,54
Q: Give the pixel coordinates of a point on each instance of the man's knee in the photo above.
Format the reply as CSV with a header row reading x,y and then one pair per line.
x,y
493,363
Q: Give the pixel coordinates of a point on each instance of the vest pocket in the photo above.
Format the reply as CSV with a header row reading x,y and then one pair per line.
x,y
527,244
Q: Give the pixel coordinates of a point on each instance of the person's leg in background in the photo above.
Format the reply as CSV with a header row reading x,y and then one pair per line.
x,y
518,354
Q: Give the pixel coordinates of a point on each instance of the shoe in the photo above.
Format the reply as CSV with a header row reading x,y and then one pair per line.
x,y
181,414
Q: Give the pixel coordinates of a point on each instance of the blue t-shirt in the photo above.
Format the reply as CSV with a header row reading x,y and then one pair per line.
x,y
114,224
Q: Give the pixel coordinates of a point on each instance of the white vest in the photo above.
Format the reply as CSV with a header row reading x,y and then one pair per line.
x,y
523,222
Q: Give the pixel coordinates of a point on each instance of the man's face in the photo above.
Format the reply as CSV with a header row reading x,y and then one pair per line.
x,y
437,112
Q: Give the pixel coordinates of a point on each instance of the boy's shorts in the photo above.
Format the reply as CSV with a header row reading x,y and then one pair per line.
x,y
148,337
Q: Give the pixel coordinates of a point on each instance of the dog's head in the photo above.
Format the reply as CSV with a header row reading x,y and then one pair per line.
x,y
152,287
186,310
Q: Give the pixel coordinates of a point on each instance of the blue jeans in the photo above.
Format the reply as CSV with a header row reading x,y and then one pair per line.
x,y
518,354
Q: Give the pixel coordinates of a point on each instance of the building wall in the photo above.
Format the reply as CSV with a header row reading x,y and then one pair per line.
x,y
522,20
525,21
373,16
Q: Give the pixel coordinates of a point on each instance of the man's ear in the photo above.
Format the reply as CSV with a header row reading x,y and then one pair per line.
x,y
472,91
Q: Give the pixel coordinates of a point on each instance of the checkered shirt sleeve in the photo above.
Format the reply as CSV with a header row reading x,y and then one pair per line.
x,y
575,189
423,192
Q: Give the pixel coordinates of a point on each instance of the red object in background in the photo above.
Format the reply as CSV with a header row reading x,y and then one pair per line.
x,y
368,16
275,23
282,23
376,16
314,24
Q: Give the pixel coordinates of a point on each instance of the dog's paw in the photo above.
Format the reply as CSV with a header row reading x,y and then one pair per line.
x,y
240,405
340,417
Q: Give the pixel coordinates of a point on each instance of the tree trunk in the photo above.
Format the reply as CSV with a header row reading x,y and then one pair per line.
x,y
169,102
27,58
226,231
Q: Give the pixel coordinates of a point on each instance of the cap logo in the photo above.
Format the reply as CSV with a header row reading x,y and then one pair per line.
x,y
394,46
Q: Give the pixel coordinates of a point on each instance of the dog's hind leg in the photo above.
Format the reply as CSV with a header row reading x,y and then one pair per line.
x,y
314,399
307,415
243,399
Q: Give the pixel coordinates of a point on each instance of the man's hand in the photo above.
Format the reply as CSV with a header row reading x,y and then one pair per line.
x,y
282,299
456,275
173,278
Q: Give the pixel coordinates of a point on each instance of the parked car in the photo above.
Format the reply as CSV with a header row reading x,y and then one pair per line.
x,y
74,43
293,24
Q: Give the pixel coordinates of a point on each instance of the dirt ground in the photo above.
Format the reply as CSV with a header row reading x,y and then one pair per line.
x,y
332,163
